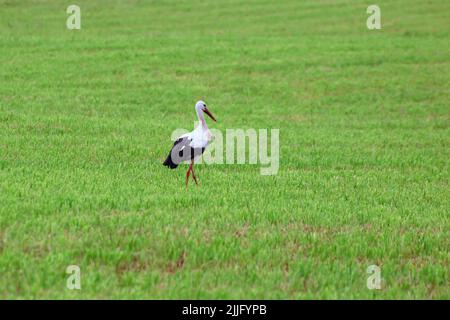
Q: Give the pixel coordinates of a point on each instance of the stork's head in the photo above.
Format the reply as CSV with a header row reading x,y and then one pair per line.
x,y
200,106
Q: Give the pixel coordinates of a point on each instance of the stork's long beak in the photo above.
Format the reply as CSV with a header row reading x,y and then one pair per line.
x,y
209,114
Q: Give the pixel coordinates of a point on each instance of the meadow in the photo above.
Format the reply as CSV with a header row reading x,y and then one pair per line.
x,y
86,118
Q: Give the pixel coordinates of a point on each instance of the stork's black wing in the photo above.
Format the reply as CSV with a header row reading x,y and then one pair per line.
x,y
181,151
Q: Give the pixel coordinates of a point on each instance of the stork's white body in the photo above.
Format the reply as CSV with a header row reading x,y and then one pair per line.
x,y
200,137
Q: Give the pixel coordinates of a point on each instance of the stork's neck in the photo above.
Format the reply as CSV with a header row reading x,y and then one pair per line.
x,y
201,120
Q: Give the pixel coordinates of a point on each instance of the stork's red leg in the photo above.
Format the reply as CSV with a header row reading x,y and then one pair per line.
x,y
187,175
193,174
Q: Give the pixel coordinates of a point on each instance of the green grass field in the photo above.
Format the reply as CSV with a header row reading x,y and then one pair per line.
x,y
86,117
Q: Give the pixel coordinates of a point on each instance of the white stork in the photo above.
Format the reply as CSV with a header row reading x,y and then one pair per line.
x,y
191,145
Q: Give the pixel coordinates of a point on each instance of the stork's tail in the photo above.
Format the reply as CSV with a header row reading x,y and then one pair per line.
x,y
169,163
